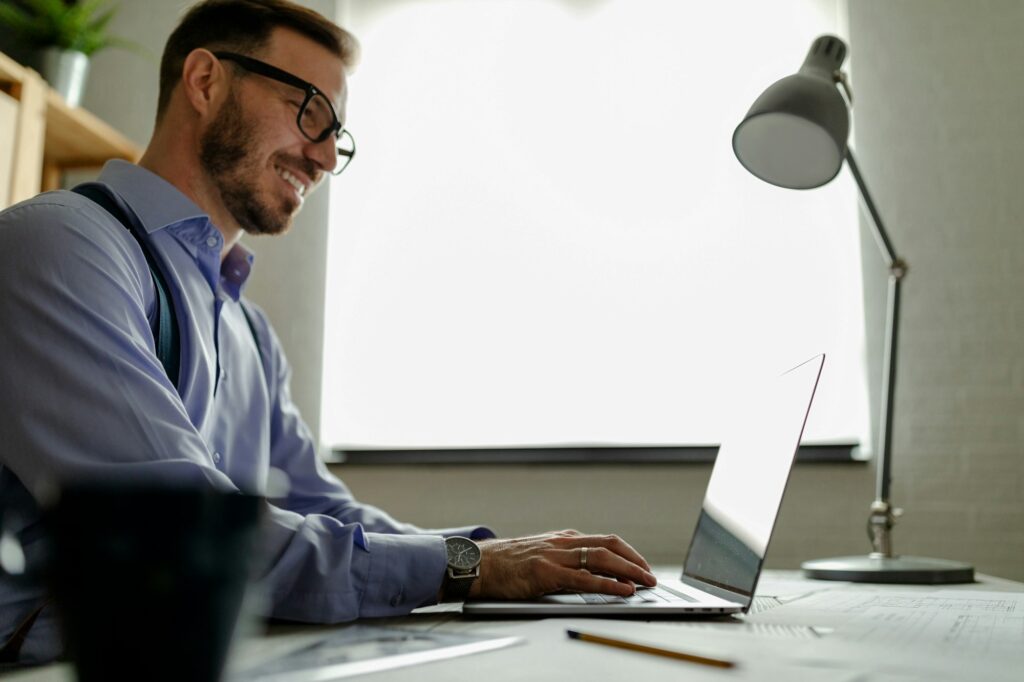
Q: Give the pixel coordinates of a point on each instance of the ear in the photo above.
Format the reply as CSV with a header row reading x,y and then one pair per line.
x,y
204,81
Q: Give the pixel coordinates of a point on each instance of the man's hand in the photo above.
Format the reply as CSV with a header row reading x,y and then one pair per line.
x,y
526,568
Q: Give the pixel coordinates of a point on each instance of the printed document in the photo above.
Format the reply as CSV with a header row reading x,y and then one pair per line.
x,y
951,632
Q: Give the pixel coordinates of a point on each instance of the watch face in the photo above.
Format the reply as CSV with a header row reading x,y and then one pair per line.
x,y
463,554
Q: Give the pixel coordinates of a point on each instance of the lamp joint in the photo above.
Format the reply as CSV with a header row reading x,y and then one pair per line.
x,y
881,520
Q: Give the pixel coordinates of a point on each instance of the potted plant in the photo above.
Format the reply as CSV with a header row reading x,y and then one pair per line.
x,y
64,34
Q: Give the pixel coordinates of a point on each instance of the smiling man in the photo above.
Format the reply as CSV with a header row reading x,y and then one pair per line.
x,y
263,132
250,120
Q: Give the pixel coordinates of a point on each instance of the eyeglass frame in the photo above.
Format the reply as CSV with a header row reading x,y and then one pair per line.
x,y
270,71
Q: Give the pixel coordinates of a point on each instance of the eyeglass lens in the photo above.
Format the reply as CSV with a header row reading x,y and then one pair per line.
x,y
317,119
317,122
346,147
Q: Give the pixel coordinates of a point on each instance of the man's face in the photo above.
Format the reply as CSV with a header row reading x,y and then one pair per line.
x,y
253,151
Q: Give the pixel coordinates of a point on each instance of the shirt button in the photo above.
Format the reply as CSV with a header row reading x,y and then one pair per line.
x,y
397,599
216,457
211,242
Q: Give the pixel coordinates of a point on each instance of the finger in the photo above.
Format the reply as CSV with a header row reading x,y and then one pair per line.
x,y
601,561
606,562
630,583
584,581
623,548
570,558
617,545
613,543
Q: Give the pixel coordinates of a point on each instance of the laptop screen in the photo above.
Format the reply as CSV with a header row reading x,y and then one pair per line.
x,y
748,481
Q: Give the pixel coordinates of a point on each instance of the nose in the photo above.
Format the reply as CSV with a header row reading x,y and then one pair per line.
x,y
324,154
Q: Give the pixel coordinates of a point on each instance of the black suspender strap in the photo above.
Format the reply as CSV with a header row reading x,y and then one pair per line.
x,y
165,327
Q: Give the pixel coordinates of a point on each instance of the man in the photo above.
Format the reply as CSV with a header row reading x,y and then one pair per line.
x,y
250,116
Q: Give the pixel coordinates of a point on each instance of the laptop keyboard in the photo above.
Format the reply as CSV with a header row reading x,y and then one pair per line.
x,y
650,595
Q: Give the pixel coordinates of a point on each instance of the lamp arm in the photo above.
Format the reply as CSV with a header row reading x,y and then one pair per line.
x,y
878,228
882,516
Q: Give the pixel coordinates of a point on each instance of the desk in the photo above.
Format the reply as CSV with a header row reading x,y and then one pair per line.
x,y
763,648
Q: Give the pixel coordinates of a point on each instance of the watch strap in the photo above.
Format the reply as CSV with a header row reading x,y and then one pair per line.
x,y
457,586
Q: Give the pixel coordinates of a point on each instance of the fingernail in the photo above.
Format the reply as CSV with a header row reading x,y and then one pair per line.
x,y
651,580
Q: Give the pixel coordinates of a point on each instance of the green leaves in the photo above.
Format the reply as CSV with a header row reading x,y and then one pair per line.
x,y
69,25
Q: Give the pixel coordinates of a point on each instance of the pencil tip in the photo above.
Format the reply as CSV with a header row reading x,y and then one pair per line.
x,y
572,634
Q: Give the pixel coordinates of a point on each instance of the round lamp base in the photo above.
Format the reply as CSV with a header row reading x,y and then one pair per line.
x,y
908,570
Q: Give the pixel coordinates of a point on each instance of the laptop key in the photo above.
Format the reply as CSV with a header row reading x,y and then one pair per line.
x,y
672,595
592,598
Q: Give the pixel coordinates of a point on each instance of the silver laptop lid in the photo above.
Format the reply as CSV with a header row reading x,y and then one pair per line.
x,y
747,484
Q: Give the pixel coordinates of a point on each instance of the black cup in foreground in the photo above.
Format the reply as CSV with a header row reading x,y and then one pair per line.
x,y
149,582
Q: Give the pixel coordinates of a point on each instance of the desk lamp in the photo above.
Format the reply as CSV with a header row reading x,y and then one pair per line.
x,y
794,136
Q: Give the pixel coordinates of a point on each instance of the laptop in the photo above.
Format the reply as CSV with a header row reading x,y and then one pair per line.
x,y
736,520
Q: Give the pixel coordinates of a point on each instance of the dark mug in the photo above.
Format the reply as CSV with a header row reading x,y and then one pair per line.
x,y
149,582
23,554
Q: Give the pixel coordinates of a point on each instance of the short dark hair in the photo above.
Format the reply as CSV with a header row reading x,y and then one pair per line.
x,y
245,26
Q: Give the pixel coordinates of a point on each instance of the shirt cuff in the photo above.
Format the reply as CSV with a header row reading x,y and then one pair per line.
x,y
404,572
471,532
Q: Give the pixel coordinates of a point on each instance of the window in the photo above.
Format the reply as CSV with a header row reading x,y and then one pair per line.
x,y
546,238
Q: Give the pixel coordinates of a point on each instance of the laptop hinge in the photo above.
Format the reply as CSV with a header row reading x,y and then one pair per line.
x,y
722,593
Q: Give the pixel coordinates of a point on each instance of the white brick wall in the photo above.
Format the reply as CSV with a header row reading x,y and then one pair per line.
x,y
940,136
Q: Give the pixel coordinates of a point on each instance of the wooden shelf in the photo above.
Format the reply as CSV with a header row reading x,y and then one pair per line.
x,y
75,138
53,137
10,70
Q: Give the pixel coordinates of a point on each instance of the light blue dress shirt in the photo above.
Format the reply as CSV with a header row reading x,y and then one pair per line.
x,y
83,395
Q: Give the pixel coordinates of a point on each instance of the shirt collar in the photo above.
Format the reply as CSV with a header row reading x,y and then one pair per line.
x,y
155,202
158,205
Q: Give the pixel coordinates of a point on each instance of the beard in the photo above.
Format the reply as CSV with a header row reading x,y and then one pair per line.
x,y
229,156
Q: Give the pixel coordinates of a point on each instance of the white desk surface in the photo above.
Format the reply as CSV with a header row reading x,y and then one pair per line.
x,y
763,650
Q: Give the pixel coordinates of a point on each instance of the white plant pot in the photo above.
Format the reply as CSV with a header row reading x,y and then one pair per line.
x,y
65,71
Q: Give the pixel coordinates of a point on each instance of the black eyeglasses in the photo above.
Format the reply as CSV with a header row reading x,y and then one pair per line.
x,y
316,118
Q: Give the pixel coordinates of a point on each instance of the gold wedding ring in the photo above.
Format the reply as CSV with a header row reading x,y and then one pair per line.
x,y
583,558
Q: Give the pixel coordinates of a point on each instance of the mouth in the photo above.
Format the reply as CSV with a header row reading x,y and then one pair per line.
x,y
297,183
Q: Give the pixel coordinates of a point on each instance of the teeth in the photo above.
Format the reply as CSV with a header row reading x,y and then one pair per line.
x,y
293,181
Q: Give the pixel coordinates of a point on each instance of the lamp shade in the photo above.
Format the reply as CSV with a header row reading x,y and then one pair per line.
x,y
794,135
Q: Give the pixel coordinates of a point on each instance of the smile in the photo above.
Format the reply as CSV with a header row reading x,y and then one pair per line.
x,y
292,180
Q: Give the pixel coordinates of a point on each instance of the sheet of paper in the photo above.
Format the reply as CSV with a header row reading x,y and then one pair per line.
x,y
951,633
547,642
983,624
338,653
787,588
838,607
756,656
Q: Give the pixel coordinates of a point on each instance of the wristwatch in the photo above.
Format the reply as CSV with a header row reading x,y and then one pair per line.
x,y
463,567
